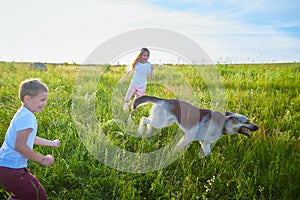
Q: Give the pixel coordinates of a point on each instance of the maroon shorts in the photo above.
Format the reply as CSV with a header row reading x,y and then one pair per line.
x,y
22,184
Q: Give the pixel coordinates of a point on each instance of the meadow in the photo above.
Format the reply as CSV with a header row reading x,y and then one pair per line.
x,y
85,106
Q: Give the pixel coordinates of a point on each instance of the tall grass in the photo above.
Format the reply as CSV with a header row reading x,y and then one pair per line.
x,y
265,166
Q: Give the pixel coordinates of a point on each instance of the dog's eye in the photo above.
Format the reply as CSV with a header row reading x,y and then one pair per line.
x,y
245,121
234,120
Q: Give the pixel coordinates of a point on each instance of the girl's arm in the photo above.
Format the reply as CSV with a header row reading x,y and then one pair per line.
x,y
151,72
125,76
44,142
22,148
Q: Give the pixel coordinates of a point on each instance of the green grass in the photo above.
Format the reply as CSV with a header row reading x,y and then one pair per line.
x,y
265,166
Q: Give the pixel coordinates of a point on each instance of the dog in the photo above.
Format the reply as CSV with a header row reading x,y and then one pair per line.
x,y
197,124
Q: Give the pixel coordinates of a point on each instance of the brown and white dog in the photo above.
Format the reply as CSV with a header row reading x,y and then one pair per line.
x,y
198,124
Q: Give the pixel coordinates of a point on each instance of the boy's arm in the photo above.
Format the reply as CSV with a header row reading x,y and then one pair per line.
x,y
44,142
21,147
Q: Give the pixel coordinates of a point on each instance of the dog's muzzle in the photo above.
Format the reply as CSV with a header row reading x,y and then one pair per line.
x,y
244,129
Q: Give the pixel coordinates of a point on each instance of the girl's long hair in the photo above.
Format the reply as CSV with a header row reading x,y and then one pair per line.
x,y
139,56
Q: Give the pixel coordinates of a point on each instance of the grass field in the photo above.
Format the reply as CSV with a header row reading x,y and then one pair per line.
x,y
265,166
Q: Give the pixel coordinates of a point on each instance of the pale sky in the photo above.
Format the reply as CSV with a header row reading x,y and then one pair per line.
x,y
229,31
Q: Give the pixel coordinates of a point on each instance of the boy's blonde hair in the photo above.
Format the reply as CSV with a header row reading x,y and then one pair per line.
x,y
31,87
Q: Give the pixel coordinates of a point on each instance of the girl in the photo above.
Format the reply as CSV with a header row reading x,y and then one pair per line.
x,y
141,69
17,147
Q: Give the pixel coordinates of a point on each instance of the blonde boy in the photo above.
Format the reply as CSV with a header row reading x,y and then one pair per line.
x,y
17,147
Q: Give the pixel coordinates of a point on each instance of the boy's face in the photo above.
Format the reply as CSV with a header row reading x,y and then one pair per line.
x,y
36,103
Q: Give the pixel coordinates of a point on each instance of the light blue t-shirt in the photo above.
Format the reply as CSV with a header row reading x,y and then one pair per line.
x,y
9,157
141,71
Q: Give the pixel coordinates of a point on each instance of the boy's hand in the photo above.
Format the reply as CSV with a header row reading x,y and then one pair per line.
x,y
56,143
47,160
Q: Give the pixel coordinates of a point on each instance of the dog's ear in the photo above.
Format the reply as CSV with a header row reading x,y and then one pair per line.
x,y
229,113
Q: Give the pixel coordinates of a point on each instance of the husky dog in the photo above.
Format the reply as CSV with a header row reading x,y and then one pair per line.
x,y
198,124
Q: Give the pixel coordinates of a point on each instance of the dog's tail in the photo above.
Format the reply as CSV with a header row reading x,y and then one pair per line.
x,y
145,100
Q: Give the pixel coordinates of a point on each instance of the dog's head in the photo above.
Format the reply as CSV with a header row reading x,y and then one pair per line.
x,y
237,123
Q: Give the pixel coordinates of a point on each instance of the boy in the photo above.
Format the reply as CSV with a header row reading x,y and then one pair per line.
x,y
17,147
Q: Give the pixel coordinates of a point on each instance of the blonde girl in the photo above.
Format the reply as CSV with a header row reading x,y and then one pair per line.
x,y
141,69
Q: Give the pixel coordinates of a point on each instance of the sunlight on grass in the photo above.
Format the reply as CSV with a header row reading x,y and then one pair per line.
x,y
84,111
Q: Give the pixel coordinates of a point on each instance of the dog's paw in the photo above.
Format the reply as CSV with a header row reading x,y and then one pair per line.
x,y
140,131
149,129
203,155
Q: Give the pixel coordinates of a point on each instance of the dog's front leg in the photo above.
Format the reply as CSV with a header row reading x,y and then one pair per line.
x,y
213,133
149,129
184,141
205,145
144,120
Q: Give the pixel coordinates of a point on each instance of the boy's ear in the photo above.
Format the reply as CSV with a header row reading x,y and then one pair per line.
x,y
26,98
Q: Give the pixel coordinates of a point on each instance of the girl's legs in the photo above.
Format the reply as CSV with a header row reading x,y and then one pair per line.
x,y
128,96
140,92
